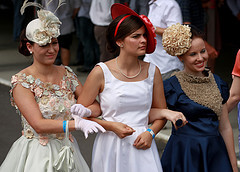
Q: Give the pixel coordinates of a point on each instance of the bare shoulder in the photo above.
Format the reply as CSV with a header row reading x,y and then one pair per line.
x,y
157,70
62,69
96,72
145,65
111,63
26,70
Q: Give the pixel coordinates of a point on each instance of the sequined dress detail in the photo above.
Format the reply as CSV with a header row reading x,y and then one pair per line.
x,y
37,152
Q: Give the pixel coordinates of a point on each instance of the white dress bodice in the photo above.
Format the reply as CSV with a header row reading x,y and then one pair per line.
x,y
126,102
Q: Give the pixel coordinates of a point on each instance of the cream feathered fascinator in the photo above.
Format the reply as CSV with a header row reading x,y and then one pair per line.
x,y
45,27
176,39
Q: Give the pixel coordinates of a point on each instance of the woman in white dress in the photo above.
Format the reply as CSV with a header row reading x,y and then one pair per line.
x,y
43,94
128,89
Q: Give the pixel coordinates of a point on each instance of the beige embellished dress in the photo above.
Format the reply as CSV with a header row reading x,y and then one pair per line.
x,y
34,152
198,146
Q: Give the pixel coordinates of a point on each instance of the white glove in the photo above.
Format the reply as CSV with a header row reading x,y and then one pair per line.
x,y
80,110
87,126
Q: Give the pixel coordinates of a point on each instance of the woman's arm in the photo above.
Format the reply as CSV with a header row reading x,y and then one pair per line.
x,y
166,114
158,102
95,107
144,140
29,108
226,131
234,94
120,129
159,30
93,85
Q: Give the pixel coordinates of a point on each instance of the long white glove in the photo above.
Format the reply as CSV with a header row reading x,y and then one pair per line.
x,y
87,126
80,110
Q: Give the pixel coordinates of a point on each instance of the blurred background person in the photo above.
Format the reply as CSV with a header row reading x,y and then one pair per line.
x,y
162,14
20,21
100,16
235,87
212,26
140,7
193,13
17,19
66,13
88,49
234,5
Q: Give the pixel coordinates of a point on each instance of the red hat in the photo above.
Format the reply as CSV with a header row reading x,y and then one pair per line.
x,y
120,9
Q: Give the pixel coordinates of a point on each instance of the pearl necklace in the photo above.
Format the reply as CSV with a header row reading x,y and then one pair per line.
x,y
129,77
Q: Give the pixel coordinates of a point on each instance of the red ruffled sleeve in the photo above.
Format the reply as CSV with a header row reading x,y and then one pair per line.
x,y
236,69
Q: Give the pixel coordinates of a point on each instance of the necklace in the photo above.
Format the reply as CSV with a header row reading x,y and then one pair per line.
x,y
130,77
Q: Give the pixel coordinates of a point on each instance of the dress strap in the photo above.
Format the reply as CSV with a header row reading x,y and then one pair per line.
x,y
151,71
106,72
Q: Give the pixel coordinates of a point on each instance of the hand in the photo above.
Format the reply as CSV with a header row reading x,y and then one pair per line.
x,y
143,141
80,110
87,126
175,116
122,130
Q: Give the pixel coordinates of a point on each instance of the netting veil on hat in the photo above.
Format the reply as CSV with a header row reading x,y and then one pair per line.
x,y
45,27
176,39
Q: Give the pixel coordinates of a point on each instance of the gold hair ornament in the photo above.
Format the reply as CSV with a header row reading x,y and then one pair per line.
x,y
176,39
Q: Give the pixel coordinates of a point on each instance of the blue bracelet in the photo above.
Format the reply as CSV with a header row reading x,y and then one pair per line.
x,y
64,126
151,132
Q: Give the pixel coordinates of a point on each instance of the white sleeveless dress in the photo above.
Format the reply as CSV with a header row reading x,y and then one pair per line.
x,y
129,103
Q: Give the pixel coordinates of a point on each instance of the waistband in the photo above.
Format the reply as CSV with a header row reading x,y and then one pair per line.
x,y
44,138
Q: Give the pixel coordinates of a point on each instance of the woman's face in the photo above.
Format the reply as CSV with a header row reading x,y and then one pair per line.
x,y
45,54
195,60
136,43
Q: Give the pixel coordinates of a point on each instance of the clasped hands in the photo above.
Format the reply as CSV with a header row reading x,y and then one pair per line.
x,y
78,112
143,141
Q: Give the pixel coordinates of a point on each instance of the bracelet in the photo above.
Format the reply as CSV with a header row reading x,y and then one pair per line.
x,y
64,126
151,132
155,28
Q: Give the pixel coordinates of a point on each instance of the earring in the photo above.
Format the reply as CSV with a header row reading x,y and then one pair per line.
x,y
30,52
121,45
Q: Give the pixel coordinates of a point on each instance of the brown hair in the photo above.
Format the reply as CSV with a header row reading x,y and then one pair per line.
x,y
126,28
22,48
197,32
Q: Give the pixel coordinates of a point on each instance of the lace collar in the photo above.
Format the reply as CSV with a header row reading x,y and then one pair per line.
x,y
202,90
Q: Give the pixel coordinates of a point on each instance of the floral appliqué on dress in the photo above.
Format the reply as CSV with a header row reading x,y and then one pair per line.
x,y
54,101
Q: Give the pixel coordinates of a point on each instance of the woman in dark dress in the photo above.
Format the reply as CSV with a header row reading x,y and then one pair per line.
x,y
205,143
